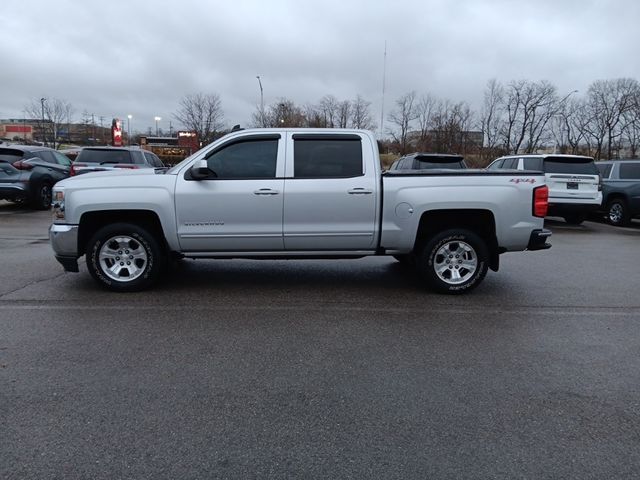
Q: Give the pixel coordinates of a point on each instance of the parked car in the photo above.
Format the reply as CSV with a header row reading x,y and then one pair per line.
x,y
620,190
575,189
27,174
97,159
424,161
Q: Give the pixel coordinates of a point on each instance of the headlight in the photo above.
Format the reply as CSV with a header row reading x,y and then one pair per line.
x,y
58,205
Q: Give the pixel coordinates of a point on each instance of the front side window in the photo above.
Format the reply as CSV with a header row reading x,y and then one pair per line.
x,y
496,165
511,163
62,159
245,159
327,158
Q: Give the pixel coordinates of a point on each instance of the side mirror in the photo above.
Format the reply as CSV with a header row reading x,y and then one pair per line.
x,y
200,171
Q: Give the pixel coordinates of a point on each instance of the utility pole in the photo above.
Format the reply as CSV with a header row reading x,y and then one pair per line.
x,y
44,137
93,128
384,77
261,101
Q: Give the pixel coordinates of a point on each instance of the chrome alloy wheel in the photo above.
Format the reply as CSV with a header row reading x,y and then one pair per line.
x,y
616,213
455,262
123,258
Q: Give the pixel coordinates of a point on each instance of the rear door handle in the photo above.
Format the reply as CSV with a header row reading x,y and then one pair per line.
x,y
266,191
360,191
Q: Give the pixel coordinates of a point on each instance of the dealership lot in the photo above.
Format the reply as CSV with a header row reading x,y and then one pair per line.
x,y
332,369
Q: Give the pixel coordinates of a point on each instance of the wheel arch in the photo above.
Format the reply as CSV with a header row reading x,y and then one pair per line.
x,y
480,221
91,222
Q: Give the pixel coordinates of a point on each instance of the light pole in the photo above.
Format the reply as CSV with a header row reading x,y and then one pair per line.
x,y
129,117
157,119
261,101
44,137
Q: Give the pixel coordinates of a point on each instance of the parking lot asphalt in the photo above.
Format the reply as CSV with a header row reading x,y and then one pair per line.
x,y
322,369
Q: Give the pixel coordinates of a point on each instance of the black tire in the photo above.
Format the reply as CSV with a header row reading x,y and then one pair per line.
x,y
617,212
41,198
575,218
448,273
124,258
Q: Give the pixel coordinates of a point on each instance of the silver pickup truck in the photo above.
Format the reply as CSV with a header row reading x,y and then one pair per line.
x,y
296,193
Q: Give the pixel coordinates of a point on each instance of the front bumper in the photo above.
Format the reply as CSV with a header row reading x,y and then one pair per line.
x,y
538,239
64,241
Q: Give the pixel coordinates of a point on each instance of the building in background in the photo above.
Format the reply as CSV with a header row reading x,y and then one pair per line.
x,y
172,150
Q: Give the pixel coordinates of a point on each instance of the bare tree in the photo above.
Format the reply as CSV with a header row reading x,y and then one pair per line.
x,y
360,115
607,102
285,113
201,113
529,107
329,106
451,123
54,113
491,117
424,115
402,117
344,113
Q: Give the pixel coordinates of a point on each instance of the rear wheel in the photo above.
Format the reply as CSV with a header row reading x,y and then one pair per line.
x,y
454,261
124,257
617,212
41,199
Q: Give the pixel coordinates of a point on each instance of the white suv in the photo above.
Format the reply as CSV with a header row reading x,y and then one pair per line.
x,y
575,188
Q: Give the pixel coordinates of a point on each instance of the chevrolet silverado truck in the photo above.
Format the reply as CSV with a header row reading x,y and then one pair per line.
x,y
296,193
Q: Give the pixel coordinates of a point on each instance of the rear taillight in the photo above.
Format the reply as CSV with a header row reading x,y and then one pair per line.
x,y
74,167
22,165
540,201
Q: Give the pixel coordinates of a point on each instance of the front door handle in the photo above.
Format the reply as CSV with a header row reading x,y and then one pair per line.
x,y
360,191
266,191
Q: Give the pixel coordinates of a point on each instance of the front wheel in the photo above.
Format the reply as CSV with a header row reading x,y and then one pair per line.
x,y
617,213
124,257
454,261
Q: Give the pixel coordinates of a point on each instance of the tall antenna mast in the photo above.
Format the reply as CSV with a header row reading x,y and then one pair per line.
x,y
384,77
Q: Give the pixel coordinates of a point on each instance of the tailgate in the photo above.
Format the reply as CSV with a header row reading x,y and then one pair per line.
x,y
573,186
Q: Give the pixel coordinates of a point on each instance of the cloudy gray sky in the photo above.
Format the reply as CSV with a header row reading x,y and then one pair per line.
x,y
131,57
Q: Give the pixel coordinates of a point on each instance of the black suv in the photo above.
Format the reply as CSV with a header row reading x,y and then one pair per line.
x,y
98,159
620,190
27,174
422,161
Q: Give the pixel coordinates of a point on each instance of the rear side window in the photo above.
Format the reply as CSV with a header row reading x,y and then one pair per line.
x,y
47,156
327,158
630,171
532,164
605,170
556,165
104,156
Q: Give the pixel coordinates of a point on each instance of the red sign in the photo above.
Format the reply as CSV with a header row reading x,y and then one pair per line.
x,y
18,129
116,133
